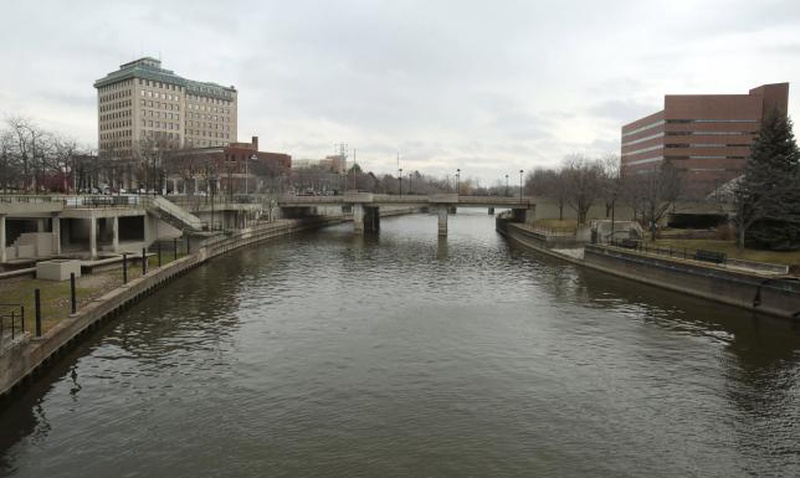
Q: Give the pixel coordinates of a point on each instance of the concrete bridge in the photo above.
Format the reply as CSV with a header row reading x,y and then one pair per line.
x,y
366,206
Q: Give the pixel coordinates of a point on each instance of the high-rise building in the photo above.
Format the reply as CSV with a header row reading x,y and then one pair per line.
x,y
145,103
706,137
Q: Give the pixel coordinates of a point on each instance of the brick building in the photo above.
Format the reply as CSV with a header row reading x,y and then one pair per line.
x,y
235,168
706,137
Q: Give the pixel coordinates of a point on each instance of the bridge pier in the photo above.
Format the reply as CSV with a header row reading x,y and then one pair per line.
x,y
366,219
358,218
443,213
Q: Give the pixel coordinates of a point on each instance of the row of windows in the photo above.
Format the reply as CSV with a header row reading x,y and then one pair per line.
x,y
161,115
203,142
110,145
166,106
206,99
116,134
116,86
157,95
682,157
115,96
115,125
162,135
159,84
651,159
116,106
159,124
706,145
199,124
195,132
642,140
208,117
688,121
210,109
643,150
711,133
115,115
643,128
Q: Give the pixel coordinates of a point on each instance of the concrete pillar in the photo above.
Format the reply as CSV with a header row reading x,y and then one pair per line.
x,y
115,233
530,216
93,237
358,218
57,235
40,225
3,255
443,221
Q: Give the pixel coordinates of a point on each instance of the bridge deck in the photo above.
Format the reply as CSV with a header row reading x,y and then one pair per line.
x,y
414,200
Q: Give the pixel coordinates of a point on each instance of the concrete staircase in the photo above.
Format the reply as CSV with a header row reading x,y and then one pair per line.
x,y
173,214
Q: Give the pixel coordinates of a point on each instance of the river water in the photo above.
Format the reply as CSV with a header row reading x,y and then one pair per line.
x,y
401,354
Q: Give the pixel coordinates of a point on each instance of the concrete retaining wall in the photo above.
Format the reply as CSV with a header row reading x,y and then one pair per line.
x,y
772,294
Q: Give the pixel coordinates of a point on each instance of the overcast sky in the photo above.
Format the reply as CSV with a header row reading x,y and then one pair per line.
x,y
490,87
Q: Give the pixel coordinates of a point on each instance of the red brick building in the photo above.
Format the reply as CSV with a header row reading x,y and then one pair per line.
x,y
236,168
707,137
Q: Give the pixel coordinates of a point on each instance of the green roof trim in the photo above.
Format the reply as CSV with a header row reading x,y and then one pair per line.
x,y
148,68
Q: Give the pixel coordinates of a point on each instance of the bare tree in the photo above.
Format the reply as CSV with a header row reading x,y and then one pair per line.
x,y
549,183
652,193
583,182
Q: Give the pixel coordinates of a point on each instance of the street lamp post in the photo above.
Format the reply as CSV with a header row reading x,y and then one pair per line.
x,y
506,184
520,185
401,182
458,181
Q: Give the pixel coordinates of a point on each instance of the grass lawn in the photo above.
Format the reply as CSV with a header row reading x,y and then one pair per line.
x,y
729,248
55,296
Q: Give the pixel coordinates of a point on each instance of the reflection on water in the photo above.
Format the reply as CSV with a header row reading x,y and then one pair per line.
x,y
405,354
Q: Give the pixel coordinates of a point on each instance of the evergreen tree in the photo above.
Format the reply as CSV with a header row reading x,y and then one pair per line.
x,y
768,195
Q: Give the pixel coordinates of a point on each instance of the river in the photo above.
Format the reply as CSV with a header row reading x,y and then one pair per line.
x,y
328,354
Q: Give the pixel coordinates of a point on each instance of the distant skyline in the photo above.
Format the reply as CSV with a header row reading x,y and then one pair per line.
x,y
486,87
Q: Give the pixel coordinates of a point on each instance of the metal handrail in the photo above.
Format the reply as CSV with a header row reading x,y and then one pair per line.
x,y
13,316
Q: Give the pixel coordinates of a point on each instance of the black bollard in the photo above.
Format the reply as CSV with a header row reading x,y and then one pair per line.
x,y
125,268
73,299
144,261
175,249
37,305
158,249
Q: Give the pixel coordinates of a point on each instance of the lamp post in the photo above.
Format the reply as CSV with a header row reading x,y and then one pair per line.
x,y
458,181
520,185
506,184
401,182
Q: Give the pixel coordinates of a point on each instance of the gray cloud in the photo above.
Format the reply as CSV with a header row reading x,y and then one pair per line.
x,y
488,87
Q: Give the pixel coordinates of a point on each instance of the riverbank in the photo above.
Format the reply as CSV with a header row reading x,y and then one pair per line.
x,y
22,358
764,292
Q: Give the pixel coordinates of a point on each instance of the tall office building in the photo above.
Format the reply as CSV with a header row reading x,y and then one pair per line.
x,y
143,101
706,137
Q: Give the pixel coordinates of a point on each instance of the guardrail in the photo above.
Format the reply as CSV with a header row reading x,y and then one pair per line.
x,y
12,321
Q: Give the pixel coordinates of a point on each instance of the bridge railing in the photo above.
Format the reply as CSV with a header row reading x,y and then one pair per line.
x,y
453,199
